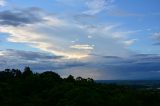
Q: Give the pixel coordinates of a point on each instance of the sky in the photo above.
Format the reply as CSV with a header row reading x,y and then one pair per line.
x,y
101,39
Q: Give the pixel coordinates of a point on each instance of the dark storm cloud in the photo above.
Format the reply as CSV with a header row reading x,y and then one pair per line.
x,y
19,17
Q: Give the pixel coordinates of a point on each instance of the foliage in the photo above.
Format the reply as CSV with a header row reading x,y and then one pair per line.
x,y
49,89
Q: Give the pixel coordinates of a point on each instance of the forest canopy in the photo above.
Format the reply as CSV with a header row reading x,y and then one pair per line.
x,y
26,88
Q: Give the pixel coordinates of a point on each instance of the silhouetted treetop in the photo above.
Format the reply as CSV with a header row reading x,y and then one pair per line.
x,y
27,72
70,78
49,75
49,89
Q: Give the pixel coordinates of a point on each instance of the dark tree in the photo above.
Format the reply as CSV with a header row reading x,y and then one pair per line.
x,y
16,73
49,89
70,78
79,78
27,72
90,80
7,70
50,76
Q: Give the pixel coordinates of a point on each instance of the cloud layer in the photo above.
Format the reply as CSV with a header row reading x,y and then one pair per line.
x,y
140,66
49,33
16,18
11,58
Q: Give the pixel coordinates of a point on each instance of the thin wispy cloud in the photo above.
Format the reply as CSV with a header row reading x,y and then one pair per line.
x,y
86,47
130,42
96,6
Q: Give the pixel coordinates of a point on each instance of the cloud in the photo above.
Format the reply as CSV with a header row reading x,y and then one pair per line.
x,y
31,33
156,36
96,6
130,42
62,37
29,54
68,45
11,58
2,3
15,18
85,47
140,66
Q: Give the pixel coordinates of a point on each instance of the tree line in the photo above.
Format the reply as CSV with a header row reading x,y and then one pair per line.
x,y
26,88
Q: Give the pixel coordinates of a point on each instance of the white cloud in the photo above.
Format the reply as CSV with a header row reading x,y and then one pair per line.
x,y
83,47
42,41
96,6
2,3
1,53
51,41
130,42
67,38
